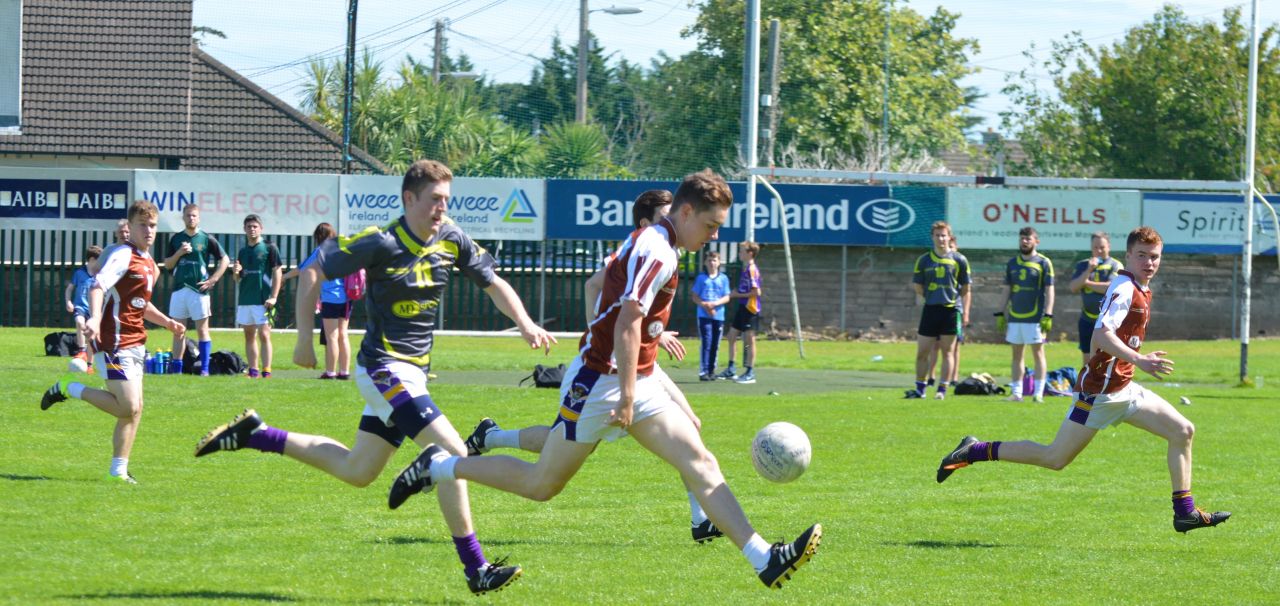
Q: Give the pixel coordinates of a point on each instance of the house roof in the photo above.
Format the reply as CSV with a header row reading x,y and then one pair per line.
x,y
124,79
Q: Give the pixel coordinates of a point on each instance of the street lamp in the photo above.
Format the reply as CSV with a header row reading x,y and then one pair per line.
x,y
580,112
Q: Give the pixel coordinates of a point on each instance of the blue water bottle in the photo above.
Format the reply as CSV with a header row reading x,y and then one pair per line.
x,y
149,366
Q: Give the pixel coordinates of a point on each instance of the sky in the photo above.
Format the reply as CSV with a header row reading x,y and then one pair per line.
x,y
270,42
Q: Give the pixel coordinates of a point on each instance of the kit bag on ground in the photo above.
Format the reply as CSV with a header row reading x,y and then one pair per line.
x,y
191,358
978,385
226,363
545,376
60,344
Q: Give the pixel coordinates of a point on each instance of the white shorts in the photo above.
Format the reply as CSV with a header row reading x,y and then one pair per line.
x,y
1106,409
401,383
1024,333
587,397
186,303
124,365
251,315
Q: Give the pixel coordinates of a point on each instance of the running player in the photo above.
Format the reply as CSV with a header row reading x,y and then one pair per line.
x,y
1028,309
941,280
190,251
1106,394
408,264
610,391
119,301
1091,278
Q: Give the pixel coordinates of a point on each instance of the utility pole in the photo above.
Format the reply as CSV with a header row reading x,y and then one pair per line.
x,y
438,53
884,128
349,87
751,91
771,133
580,109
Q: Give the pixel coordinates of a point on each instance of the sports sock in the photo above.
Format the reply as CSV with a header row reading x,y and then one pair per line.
x,y
75,389
267,439
696,514
175,367
1183,503
929,383
206,348
470,553
442,470
757,552
983,451
1040,387
502,438
119,467
1017,388
253,373
942,388
920,387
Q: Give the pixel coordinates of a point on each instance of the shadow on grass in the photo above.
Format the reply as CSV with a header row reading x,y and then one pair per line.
x,y
13,477
944,544
185,595
488,542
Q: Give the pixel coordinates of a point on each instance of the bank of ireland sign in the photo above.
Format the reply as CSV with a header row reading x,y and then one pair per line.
x,y
487,209
885,215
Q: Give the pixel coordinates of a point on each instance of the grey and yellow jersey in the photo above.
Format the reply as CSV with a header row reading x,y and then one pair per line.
x,y
941,277
405,278
1028,280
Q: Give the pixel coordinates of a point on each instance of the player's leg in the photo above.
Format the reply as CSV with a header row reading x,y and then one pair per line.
x,y
731,342
128,412
204,339
748,354
954,377
925,346
1017,370
946,351
82,346
933,363
558,461
1041,369
1154,414
713,348
264,338
671,436
250,346
488,436
332,336
344,345
1072,438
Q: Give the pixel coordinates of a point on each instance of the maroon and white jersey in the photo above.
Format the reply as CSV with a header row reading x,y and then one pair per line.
x,y
643,270
126,278
1126,309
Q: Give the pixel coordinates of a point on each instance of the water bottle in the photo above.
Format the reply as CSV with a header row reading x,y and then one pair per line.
x,y
162,364
149,367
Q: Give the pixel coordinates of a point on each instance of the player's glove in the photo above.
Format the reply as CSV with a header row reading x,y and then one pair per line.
x,y
1046,323
1001,323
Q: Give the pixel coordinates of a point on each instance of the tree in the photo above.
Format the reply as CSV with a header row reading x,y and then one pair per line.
x,y
1167,101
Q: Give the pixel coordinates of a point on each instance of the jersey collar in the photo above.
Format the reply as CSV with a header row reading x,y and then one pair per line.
x,y
668,225
1125,273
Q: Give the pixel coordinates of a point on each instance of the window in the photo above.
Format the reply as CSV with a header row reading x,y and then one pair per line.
x,y
10,66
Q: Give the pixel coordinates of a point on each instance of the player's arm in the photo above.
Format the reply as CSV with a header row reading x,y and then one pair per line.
x,y
508,302
155,316
626,352
277,273
171,261
1080,281
591,290
1154,363
1049,297
966,295
95,312
237,272
66,296
223,263
304,306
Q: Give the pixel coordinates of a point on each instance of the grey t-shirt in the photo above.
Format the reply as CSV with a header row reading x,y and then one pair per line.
x,y
1028,280
405,280
941,277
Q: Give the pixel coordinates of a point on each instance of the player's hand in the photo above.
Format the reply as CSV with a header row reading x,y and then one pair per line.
x,y
205,285
1155,364
620,416
185,249
304,353
1046,323
537,337
91,330
236,267
178,328
269,302
70,308
1002,323
669,343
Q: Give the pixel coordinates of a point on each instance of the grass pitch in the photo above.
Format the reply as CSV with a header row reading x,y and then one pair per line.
x,y
248,527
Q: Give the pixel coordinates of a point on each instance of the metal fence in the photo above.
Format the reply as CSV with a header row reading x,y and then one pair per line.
x,y
37,265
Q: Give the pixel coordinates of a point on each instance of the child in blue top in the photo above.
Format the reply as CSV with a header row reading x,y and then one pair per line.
x,y
335,314
77,296
711,294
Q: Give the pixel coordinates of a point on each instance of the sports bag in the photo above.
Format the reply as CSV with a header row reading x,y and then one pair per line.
x,y
545,376
354,284
226,363
60,344
978,386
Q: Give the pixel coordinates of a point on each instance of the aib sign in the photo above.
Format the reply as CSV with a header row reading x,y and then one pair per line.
x,y
885,215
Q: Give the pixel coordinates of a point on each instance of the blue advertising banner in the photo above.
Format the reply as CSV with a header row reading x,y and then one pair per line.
x,y
1207,223
96,199
815,214
30,198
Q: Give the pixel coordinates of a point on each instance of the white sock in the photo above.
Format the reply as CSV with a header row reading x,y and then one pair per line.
x,y
75,389
1040,388
119,467
696,514
502,438
442,469
1017,388
757,552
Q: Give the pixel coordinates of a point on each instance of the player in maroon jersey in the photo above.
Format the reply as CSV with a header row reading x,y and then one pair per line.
x,y
1107,395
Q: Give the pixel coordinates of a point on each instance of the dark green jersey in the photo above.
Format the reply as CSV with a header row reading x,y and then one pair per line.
x,y
1028,279
405,279
941,277
193,267
257,265
1091,302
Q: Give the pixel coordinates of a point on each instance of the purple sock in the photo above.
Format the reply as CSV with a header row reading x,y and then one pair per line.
x,y
920,385
984,451
470,553
942,388
268,439
1183,503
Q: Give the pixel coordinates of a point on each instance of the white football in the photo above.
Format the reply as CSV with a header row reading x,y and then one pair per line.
x,y
77,365
780,452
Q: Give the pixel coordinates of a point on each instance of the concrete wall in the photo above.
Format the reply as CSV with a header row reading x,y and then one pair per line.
x,y
1195,295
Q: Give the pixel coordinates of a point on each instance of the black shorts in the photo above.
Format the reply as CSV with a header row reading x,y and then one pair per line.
x,y
335,311
744,320
1086,333
938,320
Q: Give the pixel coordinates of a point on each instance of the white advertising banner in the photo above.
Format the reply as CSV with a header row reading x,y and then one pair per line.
x,y
1065,219
288,203
1207,223
487,209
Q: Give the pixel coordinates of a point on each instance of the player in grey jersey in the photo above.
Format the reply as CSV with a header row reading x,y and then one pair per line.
x,y
408,264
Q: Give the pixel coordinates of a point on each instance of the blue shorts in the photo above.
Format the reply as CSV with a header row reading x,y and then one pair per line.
x,y
1086,333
